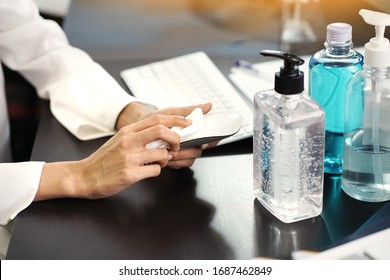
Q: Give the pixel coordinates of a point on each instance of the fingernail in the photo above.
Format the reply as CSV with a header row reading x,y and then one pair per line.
x,y
205,146
170,157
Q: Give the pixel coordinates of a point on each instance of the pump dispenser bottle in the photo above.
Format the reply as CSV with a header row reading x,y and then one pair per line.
x,y
366,167
330,69
288,145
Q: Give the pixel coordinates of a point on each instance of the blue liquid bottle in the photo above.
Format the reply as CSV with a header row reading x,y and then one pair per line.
x,y
330,70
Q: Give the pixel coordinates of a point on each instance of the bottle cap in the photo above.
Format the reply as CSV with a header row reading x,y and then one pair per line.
x,y
289,80
377,51
339,33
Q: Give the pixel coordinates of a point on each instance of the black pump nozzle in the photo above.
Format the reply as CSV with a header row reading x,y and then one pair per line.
x,y
289,80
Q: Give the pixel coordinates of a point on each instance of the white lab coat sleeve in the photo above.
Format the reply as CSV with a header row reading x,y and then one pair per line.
x,y
88,103
20,182
83,96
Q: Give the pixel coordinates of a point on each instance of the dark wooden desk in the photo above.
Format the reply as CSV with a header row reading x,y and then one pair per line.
x,y
205,212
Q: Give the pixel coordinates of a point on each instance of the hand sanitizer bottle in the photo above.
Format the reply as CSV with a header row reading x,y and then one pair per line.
x,y
330,70
366,167
288,145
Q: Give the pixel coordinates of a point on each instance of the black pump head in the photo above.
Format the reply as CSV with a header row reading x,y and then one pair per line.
x,y
289,80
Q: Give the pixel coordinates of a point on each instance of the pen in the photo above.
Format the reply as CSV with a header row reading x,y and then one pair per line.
x,y
247,67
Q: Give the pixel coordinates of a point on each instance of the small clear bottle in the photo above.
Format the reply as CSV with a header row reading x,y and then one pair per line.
x,y
288,145
366,169
330,69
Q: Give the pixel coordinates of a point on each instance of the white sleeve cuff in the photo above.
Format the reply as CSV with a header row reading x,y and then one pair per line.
x,y
88,103
18,186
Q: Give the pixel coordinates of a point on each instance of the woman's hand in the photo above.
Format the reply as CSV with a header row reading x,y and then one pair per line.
x,y
181,158
122,161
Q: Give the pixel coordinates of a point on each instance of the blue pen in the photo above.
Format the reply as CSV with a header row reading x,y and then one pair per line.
x,y
247,67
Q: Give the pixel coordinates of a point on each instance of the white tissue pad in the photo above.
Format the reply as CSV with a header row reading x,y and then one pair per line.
x,y
184,132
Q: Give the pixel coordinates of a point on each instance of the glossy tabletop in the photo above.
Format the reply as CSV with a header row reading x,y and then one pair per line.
x,y
207,211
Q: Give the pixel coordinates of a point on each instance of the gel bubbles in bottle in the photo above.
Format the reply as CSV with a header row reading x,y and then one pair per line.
x,y
288,143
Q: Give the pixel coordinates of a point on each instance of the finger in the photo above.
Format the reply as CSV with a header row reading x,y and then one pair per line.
x,y
162,162
137,174
210,145
185,157
152,156
187,153
205,107
159,132
160,119
150,170
154,159
180,163
186,110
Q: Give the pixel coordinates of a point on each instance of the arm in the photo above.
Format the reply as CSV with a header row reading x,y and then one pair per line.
x,y
87,101
84,97
122,161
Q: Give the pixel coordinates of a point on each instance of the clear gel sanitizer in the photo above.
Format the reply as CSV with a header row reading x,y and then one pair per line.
x,y
288,145
366,167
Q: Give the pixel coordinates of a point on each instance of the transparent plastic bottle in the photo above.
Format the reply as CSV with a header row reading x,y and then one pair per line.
x,y
366,170
288,146
330,70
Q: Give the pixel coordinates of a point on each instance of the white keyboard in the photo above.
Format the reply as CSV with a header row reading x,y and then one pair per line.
x,y
189,80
